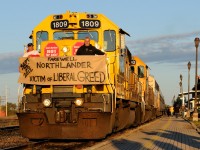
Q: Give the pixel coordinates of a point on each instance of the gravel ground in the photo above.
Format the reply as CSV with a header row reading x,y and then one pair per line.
x,y
11,138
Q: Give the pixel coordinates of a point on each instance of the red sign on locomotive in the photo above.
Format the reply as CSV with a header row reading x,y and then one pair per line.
x,y
51,50
76,47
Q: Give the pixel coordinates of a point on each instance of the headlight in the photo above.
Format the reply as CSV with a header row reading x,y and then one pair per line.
x,y
65,49
47,102
78,101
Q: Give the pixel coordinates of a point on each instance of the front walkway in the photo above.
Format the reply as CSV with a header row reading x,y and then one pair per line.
x,y
167,133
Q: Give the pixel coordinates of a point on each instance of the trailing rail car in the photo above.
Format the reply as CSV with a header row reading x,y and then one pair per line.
x,y
66,96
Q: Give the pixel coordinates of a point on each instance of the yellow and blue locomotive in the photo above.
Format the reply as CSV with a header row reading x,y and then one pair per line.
x,y
66,96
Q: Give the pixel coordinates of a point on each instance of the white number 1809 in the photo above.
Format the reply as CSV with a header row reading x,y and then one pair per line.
x,y
59,24
89,23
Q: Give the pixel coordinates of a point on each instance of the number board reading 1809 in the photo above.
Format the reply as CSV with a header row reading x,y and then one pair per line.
x,y
89,23
59,24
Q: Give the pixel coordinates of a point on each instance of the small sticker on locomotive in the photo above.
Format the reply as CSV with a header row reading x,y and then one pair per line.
x,y
83,23
59,24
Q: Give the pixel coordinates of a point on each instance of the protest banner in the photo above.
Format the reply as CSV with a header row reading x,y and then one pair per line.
x,y
70,70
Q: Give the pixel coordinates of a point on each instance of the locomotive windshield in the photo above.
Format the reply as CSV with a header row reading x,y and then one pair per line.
x,y
63,35
92,34
81,35
41,36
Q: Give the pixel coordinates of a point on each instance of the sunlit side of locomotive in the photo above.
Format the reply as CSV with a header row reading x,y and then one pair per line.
x,y
152,99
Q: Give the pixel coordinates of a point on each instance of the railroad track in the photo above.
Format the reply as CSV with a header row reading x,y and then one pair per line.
x,y
5,122
49,144
10,128
29,145
25,144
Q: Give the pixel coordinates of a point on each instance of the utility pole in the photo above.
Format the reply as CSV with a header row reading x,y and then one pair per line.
x,y
0,104
6,102
188,112
195,114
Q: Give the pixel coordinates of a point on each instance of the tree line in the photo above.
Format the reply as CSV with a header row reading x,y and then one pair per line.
x,y
11,109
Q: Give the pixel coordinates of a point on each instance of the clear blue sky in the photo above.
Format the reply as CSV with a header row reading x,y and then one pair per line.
x,y
162,34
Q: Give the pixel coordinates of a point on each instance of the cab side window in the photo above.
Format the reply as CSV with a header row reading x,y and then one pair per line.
x,y
141,71
109,40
